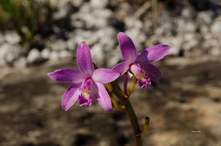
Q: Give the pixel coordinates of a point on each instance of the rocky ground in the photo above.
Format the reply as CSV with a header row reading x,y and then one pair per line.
x,y
184,109
192,31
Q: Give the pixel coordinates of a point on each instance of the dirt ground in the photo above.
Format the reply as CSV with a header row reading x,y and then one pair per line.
x,y
184,109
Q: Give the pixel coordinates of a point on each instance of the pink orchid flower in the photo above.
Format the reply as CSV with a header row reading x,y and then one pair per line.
x,y
139,65
86,81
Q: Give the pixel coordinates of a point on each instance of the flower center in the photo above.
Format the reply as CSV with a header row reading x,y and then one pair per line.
x,y
85,98
143,79
85,93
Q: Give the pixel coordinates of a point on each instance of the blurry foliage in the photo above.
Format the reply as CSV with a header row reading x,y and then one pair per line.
x,y
25,16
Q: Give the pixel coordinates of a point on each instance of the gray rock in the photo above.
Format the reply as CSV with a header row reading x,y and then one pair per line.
x,y
45,53
76,3
190,41
59,45
65,54
122,10
204,17
2,39
34,56
132,22
165,28
62,9
97,54
107,37
54,55
98,3
147,26
114,57
216,28
188,13
190,26
180,25
21,62
71,44
210,43
8,53
205,31
102,13
12,37
215,52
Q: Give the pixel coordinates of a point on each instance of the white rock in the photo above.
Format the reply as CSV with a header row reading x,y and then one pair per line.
x,y
97,54
62,9
216,28
71,44
102,13
54,55
180,24
190,41
107,37
147,26
205,32
216,52
76,3
12,37
8,53
174,50
188,13
34,56
45,53
21,62
65,54
85,8
59,45
98,3
2,39
114,57
190,26
122,10
210,43
204,17
131,22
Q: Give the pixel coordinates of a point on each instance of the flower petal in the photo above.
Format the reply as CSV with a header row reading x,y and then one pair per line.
x,y
102,75
84,59
152,54
71,96
121,68
127,47
100,94
67,75
152,71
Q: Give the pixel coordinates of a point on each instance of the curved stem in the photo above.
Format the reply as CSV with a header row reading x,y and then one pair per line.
x,y
115,103
147,121
129,110
132,86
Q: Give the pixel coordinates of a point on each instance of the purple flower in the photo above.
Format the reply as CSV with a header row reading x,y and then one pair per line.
x,y
139,65
86,82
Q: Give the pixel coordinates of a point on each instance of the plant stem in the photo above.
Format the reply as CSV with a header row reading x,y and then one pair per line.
x,y
114,88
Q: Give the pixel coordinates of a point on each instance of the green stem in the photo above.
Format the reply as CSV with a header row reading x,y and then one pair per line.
x,y
114,88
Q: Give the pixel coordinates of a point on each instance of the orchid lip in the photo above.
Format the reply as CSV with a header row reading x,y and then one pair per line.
x,y
85,98
143,79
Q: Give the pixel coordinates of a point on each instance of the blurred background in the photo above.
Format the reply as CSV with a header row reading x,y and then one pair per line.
x,y
39,36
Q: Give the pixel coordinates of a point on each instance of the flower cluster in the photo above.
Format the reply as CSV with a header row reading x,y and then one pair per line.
x,y
88,82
